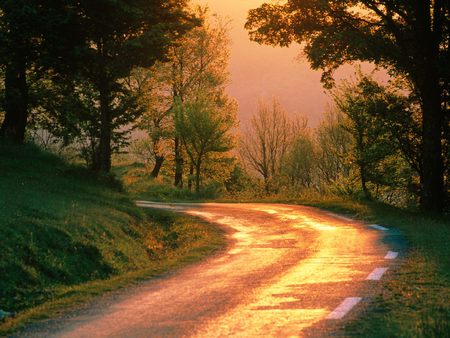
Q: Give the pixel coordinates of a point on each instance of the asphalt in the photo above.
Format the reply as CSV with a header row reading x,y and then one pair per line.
x,y
285,269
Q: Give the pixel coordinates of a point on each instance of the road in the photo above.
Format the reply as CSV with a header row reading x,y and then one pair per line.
x,y
287,271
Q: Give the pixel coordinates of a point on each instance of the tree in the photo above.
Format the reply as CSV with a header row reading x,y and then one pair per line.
x,y
156,120
334,145
68,110
266,143
363,143
364,104
119,36
198,63
300,163
409,38
204,127
27,36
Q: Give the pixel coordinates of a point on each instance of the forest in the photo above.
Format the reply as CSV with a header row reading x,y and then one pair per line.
x,y
138,89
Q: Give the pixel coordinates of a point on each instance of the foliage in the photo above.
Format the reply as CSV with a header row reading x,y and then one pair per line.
x,y
157,118
69,111
204,126
120,36
266,143
361,148
300,161
110,38
33,42
239,180
333,147
197,65
378,161
410,39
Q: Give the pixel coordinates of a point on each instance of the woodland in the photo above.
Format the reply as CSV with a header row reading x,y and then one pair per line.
x,y
140,87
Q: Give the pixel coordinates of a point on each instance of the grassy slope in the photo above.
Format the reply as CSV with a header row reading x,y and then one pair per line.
x,y
65,236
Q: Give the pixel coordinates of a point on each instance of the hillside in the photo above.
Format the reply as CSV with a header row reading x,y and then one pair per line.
x,y
66,235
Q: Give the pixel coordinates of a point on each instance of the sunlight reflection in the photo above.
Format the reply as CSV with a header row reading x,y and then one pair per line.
x,y
203,214
278,309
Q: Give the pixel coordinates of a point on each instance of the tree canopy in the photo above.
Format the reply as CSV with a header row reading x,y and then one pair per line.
x,y
409,38
95,44
205,127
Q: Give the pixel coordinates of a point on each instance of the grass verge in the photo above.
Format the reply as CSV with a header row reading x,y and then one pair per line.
x,y
67,236
136,179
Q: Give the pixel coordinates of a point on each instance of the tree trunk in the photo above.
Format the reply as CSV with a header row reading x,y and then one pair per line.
x,y
16,102
104,157
159,160
433,167
427,82
191,175
363,175
197,176
178,164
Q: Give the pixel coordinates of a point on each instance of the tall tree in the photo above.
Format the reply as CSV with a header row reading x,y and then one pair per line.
x,y
68,111
29,44
120,35
410,38
266,143
364,105
205,127
198,63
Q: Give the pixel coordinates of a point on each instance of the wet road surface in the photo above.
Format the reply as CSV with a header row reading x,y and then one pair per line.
x,y
284,272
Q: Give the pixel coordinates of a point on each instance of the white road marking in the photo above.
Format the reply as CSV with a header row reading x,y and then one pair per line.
x,y
341,217
378,227
377,274
391,255
344,308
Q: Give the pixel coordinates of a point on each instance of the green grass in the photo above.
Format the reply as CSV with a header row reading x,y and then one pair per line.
x,y
66,235
137,181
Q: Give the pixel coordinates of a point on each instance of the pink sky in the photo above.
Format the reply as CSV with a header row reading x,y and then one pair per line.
x,y
264,71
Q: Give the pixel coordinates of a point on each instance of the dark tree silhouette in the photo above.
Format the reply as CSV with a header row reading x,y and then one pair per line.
x,y
120,35
410,38
33,36
98,41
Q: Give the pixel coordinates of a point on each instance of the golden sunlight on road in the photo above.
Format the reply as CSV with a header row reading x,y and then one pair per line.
x,y
285,270
279,308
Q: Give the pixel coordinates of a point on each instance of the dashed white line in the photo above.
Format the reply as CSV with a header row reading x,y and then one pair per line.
x,y
391,255
344,308
341,217
377,274
378,227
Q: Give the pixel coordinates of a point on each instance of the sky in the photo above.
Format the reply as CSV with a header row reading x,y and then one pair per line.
x,y
259,71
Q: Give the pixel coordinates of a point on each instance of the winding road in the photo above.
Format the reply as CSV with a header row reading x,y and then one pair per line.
x,y
287,271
